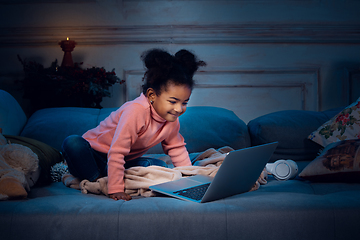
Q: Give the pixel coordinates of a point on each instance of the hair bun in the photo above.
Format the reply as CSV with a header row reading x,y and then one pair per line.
x,y
189,61
157,58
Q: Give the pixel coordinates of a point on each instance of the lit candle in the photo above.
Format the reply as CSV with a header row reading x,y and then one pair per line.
x,y
67,46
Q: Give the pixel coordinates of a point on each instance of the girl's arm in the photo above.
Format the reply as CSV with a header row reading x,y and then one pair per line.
x,y
174,146
125,135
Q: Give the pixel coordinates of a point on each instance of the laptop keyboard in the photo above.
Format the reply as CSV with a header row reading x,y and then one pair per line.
x,y
195,193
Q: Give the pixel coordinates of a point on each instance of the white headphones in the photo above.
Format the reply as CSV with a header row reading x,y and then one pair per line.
x,y
282,169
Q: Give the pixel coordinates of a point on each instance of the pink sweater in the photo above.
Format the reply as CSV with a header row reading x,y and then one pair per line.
x,y
129,132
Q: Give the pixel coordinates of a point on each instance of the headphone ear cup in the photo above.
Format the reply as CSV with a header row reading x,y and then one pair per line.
x,y
294,168
283,169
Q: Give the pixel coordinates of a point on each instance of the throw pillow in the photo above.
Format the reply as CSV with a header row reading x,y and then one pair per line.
x,y
338,162
48,156
343,126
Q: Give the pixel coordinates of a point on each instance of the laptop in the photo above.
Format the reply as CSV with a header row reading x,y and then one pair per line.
x,y
237,174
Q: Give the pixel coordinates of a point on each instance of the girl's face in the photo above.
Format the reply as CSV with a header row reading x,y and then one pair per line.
x,y
172,103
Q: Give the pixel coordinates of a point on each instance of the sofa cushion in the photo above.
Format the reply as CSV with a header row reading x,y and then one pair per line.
x,y
291,129
344,125
53,125
48,156
12,118
280,209
338,162
205,127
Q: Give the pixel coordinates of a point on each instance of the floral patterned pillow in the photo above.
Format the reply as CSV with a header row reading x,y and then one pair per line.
x,y
343,126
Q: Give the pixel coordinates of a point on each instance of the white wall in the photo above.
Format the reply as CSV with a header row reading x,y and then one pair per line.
x,y
262,56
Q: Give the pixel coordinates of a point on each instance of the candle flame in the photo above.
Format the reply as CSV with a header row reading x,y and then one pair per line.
x,y
67,39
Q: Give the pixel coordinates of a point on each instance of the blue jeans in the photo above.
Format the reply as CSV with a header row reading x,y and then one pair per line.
x,y
86,163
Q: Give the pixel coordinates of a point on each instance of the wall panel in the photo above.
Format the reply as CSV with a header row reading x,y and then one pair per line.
x,y
249,93
262,56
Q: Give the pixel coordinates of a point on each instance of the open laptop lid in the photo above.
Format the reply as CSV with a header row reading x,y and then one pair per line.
x,y
239,171
237,174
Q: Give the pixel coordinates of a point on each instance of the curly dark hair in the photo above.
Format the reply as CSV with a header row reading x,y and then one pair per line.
x,y
164,68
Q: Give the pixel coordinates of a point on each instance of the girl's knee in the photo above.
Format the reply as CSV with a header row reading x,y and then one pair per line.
x,y
73,141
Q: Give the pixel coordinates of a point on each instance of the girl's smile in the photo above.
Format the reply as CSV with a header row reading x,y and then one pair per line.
x,y
172,101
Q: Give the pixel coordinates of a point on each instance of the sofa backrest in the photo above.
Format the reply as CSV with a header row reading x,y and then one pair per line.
x,y
202,127
12,117
211,127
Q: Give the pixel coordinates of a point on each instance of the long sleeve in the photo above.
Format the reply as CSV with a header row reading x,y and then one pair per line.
x,y
174,146
126,134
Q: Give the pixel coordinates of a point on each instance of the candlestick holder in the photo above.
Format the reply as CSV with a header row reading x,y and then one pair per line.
x,y
67,46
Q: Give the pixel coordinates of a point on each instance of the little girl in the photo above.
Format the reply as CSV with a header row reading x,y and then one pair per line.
x,y
120,140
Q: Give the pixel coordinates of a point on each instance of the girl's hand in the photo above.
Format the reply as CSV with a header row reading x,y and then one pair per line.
x,y
120,196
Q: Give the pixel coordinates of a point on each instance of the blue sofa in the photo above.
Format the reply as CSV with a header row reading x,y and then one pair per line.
x,y
293,209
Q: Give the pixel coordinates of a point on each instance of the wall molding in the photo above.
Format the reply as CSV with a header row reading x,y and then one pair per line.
x,y
308,82
351,85
184,34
